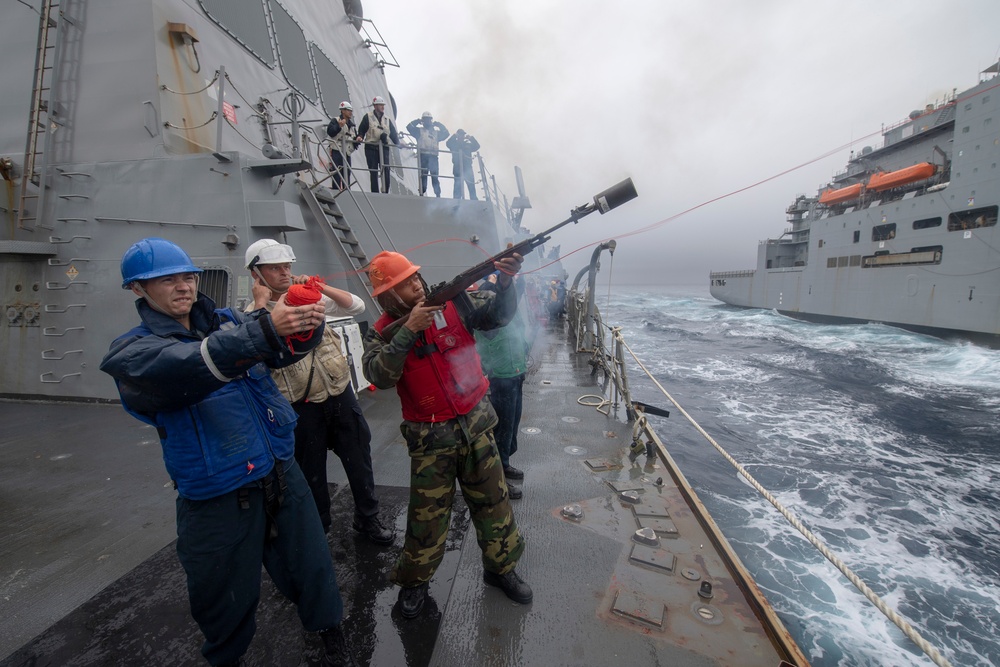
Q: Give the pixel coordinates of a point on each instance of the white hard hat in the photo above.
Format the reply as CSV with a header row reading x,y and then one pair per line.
x,y
346,105
378,100
426,114
268,251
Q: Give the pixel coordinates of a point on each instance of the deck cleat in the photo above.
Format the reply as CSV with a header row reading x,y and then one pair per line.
x,y
629,497
572,512
646,536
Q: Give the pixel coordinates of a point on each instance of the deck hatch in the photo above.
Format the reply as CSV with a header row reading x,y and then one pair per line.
x,y
625,485
634,607
662,527
643,509
659,560
602,465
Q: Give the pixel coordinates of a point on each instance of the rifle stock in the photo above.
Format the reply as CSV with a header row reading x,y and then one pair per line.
x,y
613,197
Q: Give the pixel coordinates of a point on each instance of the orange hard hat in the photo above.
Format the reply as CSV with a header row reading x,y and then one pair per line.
x,y
389,269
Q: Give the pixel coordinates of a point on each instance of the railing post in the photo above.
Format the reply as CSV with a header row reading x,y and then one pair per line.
x,y
482,175
222,116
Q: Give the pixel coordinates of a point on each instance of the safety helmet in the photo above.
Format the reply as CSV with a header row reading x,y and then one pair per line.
x,y
346,105
426,114
378,100
152,258
389,269
268,251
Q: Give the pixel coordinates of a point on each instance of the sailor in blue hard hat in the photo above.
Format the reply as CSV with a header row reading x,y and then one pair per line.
x,y
176,289
199,374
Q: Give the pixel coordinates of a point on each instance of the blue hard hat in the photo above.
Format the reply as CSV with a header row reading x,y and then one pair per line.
x,y
152,258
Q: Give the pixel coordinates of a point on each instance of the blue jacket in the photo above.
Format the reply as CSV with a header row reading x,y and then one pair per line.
x,y
221,419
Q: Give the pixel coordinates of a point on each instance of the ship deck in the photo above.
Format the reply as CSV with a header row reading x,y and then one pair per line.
x,y
88,572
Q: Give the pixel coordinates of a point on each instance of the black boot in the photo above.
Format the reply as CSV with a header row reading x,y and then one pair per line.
x,y
512,585
411,600
510,472
336,653
373,528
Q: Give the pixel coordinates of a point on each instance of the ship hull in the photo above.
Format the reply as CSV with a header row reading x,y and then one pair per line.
x,y
919,249
943,299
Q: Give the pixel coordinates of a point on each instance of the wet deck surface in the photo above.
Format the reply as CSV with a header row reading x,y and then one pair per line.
x,y
88,574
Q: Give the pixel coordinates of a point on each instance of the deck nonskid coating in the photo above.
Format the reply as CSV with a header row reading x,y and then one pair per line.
x,y
79,523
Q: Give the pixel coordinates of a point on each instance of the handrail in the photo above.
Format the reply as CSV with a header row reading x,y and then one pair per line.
x,y
350,193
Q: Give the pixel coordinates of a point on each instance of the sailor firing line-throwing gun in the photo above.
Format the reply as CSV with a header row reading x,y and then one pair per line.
x,y
429,356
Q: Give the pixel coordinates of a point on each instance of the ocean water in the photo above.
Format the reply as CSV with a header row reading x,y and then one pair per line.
x,y
884,443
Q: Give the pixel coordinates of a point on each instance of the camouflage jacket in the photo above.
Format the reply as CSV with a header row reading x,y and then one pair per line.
x,y
386,353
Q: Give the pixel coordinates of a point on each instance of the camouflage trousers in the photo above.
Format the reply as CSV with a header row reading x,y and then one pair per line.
x,y
440,454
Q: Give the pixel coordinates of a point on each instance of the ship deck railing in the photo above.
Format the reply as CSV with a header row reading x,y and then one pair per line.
x,y
715,275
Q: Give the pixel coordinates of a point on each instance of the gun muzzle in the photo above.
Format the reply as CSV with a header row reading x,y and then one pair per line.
x,y
615,196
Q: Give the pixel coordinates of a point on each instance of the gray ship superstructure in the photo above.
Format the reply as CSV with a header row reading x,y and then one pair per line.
x,y
905,235
199,121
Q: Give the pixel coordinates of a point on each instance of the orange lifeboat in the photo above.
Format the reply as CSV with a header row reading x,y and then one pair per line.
x,y
841,195
894,179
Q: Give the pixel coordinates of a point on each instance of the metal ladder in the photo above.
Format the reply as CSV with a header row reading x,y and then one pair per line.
x,y
324,208
48,39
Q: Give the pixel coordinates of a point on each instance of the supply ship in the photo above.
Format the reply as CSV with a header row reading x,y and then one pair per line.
x,y
202,121
905,235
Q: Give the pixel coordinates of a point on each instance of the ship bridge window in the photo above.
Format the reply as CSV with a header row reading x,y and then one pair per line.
x,y
332,83
293,52
884,232
927,223
245,22
973,218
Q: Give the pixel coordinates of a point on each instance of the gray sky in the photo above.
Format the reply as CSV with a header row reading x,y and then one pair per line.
x,y
693,100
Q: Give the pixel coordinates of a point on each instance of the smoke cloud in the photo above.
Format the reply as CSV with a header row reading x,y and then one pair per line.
x,y
692,100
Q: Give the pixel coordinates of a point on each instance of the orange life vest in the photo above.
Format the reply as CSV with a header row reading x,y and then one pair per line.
x,y
442,375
